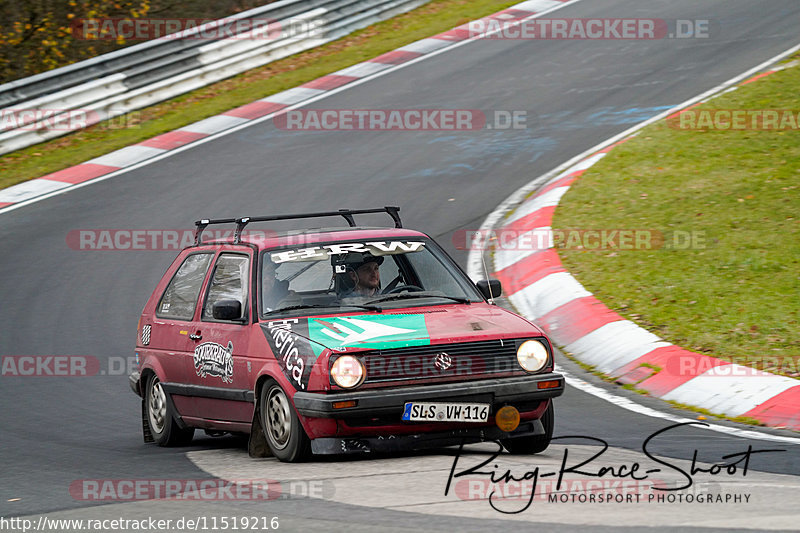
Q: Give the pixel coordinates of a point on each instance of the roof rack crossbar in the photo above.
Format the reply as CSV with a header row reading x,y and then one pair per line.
x,y
347,214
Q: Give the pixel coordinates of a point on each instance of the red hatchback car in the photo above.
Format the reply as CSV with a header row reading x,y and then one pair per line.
x,y
338,340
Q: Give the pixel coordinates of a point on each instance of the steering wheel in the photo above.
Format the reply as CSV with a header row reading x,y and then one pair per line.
x,y
402,288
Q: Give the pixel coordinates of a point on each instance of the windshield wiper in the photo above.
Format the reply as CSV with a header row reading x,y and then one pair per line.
x,y
334,305
362,306
404,295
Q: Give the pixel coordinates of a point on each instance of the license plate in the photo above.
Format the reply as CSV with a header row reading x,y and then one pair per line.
x,y
446,412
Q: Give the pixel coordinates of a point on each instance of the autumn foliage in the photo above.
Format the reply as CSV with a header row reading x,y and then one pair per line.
x,y
38,35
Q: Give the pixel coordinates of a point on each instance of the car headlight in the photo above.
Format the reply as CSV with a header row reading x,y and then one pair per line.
x,y
532,355
348,372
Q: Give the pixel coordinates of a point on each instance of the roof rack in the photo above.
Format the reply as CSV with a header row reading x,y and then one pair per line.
x,y
393,212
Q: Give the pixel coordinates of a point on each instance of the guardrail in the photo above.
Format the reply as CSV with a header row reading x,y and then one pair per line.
x,y
60,101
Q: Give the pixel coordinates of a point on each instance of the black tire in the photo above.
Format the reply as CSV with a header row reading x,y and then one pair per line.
x,y
286,438
535,443
161,418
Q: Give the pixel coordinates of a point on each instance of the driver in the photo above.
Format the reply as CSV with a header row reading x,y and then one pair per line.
x,y
364,272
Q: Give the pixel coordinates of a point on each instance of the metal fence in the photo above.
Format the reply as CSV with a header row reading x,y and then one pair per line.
x,y
141,75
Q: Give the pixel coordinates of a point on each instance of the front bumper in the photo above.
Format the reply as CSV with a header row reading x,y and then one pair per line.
x,y
381,402
403,443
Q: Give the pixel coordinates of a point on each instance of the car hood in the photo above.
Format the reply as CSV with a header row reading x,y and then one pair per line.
x,y
419,326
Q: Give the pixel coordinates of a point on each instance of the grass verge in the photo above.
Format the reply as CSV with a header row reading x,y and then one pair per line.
x,y
734,292
432,18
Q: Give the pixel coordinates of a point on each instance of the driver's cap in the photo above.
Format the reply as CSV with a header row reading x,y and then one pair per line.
x,y
357,259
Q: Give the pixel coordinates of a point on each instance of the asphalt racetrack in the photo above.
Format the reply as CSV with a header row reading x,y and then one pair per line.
x,y
57,300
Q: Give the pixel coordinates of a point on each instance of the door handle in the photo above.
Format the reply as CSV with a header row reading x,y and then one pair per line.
x,y
196,336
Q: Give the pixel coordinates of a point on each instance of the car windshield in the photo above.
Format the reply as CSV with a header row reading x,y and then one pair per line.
x,y
372,275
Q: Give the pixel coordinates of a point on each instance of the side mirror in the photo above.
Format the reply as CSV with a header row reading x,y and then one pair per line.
x,y
227,310
490,288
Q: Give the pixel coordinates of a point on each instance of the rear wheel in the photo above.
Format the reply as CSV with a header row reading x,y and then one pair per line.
x,y
161,419
286,438
534,443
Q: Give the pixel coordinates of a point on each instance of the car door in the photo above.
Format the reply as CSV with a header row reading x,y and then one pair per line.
x,y
220,377
165,326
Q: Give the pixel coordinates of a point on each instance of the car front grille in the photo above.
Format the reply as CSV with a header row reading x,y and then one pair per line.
x,y
430,363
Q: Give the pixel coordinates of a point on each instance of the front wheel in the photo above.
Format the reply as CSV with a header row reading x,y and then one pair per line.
x,y
534,443
160,418
286,438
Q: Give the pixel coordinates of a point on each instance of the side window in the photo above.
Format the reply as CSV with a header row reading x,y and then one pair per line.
x,y
229,282
180,297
